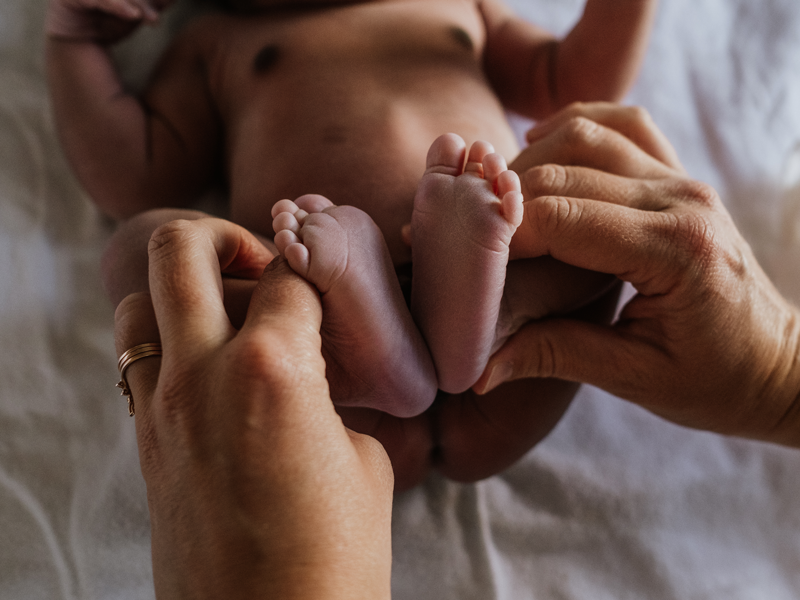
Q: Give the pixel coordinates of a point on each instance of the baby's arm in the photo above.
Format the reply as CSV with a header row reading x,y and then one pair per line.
x,y
535,74
130,154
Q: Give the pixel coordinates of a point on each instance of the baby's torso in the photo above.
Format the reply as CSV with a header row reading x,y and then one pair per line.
x,y
344,101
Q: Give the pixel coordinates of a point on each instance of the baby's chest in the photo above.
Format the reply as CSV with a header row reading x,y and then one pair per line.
x,y
355,39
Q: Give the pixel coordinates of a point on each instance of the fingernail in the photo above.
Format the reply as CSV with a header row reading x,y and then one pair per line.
x,y
501,373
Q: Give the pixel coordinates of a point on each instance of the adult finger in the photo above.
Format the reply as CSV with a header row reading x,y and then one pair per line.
x,y
582,182
634,122
187,259
591,235
135,324
614,239
579,141
283,301
574,351
580,347
552,180
283,327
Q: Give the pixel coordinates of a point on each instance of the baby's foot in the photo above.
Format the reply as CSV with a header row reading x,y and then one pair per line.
x,y
375,355
463,220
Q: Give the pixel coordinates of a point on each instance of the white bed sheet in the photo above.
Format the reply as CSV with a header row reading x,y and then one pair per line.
x,y
615,503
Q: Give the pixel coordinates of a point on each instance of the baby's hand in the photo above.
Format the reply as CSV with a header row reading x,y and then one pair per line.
x,y
103,21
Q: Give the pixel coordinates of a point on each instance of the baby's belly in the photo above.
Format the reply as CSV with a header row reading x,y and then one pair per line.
x,y
371,159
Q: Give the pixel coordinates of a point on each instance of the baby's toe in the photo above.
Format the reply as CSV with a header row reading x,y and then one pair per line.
x,y
507,181
286,221
284,239
313,203
298,257
476,159
284,206
510,198
446,155
494,165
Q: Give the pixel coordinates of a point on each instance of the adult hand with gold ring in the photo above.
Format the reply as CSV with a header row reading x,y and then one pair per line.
x,y
255,488
707,341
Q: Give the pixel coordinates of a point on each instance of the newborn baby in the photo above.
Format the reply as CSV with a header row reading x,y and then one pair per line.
x,y
333,101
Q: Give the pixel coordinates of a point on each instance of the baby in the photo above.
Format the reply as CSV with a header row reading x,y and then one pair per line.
x,y
279,98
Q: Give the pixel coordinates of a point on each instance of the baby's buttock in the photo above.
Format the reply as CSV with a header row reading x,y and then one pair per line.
x,y
370,155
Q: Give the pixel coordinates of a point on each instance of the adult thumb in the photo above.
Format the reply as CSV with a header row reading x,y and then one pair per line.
x,y
560,348
283,301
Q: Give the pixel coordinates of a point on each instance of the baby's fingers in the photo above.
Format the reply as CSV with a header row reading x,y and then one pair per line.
x,y
130,10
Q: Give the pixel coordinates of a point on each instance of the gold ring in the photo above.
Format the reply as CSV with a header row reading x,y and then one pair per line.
x,y
126,360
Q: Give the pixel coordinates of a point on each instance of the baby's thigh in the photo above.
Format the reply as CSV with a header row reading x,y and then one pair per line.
x,y
543,286
124,265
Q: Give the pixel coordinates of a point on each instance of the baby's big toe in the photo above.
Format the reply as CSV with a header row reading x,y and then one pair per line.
x,y
446,155
313,203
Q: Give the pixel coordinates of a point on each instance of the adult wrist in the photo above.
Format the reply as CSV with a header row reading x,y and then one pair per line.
x,y
786,430
306,581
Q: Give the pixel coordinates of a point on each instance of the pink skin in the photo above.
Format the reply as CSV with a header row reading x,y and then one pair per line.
x,y
376,357
463,221
464,218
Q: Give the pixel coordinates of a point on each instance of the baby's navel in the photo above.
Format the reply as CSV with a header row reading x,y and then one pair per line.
x,y
265,59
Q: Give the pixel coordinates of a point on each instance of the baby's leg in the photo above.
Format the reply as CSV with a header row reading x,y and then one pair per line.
x,y
375,355
125,262
463,221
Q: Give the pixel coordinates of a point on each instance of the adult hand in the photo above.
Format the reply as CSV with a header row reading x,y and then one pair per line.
x,y
255,487
707,341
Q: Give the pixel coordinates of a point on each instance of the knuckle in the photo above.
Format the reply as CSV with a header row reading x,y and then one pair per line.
x,y
639,114
272,362
554,214
694,237
168,236
545,360
544,180
579,130
697,192
259,360
575,108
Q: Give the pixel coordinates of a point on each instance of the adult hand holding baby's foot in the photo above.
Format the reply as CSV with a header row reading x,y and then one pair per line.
x,y
104,21
375,356
476,435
